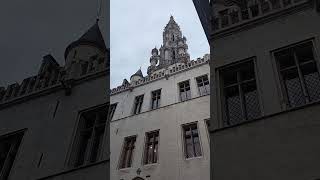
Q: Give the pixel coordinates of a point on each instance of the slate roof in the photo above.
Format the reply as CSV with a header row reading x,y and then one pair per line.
x,y
92,36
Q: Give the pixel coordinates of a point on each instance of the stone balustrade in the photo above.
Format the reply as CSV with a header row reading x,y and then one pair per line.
x,y
161,74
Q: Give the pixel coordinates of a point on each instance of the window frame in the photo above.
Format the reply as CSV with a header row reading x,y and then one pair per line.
x,y
71,158
110,116
120,161
159,100
134,104
184,149
179,90
282,92
17,133
222,101
145,147
197,85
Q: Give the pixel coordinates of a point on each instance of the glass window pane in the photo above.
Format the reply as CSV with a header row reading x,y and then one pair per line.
x,y
233,105
312,80
251,100
293,87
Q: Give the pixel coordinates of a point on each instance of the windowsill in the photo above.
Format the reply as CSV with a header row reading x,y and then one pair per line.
x,y
127,169
151,164
286,110
192,158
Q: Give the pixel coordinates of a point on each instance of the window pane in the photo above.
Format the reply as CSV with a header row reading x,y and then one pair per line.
x,y
83,146
197,146
233,105
293,87
312,80
304,52
189,148
285,59
251,100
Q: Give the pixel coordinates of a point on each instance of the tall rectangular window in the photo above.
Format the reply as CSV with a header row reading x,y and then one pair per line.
x,y
138,104
155,99
9,145
203,85
240,93
151,147
191,140
112,110
127,152
89,138
299,74
184,89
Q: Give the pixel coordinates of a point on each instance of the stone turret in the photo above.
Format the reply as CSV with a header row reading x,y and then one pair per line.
x,y
136,76
85,53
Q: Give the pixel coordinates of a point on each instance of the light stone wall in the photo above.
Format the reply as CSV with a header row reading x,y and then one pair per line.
x,y
169,119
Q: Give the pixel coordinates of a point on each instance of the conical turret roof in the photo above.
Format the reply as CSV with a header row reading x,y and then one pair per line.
x,y
138,73
93,36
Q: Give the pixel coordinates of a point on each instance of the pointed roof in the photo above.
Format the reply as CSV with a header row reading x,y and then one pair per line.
x,y
138,73
125,82
171,22
93,36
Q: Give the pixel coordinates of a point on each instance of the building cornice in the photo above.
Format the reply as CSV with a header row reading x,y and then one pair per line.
x,y
262,18
165,73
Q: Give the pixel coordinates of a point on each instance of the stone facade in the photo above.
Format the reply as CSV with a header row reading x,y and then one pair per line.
x,y
279,142
168,118
46,108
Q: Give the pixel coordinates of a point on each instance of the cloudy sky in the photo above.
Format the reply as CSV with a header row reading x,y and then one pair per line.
x,y
137,26
34,28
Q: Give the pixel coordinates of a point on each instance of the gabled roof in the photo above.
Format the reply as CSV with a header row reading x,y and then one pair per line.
x,y
93,36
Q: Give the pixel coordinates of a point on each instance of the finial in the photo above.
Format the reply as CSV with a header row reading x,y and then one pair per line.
x,y
98,10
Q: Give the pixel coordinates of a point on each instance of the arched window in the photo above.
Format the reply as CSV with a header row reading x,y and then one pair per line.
x,y
172,37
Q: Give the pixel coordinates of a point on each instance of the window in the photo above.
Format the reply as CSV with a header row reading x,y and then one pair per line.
x,y
299,74
240,93
155,100
9,145
203,85
112,110
137,104
184,88
89,137
151,147
126,156
191,140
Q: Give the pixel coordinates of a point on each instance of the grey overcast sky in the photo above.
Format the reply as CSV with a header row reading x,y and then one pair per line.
x,y
31,29
137,26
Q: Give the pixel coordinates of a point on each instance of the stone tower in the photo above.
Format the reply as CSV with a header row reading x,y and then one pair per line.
x,y
173,50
